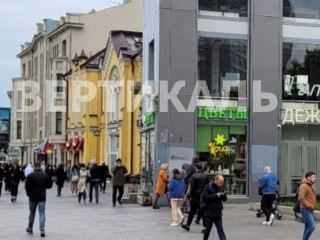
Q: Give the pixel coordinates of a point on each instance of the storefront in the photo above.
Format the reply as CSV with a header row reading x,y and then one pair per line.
x,y
147,151
222,146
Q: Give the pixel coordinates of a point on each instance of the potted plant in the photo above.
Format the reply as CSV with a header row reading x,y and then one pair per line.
x,y
144,198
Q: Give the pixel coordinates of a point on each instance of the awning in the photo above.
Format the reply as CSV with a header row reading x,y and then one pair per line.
x,y
73,147
69,145
80,145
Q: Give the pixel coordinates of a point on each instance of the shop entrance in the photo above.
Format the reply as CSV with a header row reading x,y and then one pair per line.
x,y
296,160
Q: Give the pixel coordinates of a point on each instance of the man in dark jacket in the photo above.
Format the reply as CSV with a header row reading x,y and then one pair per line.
x,y
212,198
198,181
1,177
15,176
119,171
104,174
7,176
94,180
61,177
36,185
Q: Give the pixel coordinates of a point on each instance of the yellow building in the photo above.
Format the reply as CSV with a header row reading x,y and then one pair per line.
x,y
122,76
84,110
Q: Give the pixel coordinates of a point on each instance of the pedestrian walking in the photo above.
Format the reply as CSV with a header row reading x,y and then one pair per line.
x,y
28,170
36,184
268,186
94,180
74,179
15,180
104,174
176,191
198,182
161,184
82,183
61,177
212,198
308,203
7,176
119,172
1,177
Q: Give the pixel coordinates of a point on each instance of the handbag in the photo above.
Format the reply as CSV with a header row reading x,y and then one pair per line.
x,y
74,178
185,208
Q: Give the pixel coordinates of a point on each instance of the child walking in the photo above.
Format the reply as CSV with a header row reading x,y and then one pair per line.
x,y
176,191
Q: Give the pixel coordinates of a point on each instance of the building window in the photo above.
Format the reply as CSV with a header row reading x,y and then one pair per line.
x,y
55,51
301,9
301,70
113,148
19,129
59,123
19,100
24,70
226,8
59,84
64,48
114,103
222,149
222,64
29,69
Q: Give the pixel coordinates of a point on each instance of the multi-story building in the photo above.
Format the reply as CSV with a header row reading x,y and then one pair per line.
x,y
257,102
122,76
48,57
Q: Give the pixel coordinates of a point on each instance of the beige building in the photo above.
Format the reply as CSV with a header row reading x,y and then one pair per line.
x,y
48,57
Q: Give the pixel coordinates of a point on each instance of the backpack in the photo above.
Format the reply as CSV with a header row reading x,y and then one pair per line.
x,y
203,204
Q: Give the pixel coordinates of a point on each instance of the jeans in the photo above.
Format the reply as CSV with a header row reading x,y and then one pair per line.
x,y
266,205
114,193
309,225
94,184
218,223
42,214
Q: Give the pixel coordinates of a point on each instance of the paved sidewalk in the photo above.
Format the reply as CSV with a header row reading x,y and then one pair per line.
x,y
66,220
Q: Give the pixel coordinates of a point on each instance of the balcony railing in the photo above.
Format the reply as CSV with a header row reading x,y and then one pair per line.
x,y
225,8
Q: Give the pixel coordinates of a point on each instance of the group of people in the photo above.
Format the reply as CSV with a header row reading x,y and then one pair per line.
x,y
191,184
307,200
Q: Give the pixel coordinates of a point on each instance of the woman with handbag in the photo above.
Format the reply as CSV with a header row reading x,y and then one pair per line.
x,y
74,179
82,183
161,184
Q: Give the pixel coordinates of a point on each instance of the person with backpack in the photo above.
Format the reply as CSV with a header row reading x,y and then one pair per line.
x,y
308,203
211,203
176,190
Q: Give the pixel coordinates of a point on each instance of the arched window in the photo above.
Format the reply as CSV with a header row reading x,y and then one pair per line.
x,y
114,98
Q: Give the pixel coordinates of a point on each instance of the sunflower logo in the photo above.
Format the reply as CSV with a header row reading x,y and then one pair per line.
x,y
220,139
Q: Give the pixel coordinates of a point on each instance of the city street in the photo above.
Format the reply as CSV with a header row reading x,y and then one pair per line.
x,y
66,219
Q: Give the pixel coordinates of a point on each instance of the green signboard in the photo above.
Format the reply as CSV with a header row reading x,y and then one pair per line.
x,y
212,113
148,119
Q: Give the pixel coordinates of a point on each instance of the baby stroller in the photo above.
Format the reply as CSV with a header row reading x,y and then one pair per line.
x,y
275,209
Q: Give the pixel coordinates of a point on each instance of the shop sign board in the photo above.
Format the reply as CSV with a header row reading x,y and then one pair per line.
x,y
212,113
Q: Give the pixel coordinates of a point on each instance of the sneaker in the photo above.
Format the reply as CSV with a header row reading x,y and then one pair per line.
x,y
156,207
271,220
181,220
29,230
42,233
174,224
185,227
264,223
197,221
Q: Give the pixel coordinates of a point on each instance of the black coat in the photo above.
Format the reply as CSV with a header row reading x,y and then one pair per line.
x,y
198,182
213,203
15,175
61,176
104,172
36,184
1,174
94,172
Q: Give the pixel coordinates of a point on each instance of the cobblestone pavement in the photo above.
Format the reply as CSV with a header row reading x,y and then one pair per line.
x,y
66,220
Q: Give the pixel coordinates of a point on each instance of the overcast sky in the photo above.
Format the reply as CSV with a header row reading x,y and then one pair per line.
x,y
18,21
